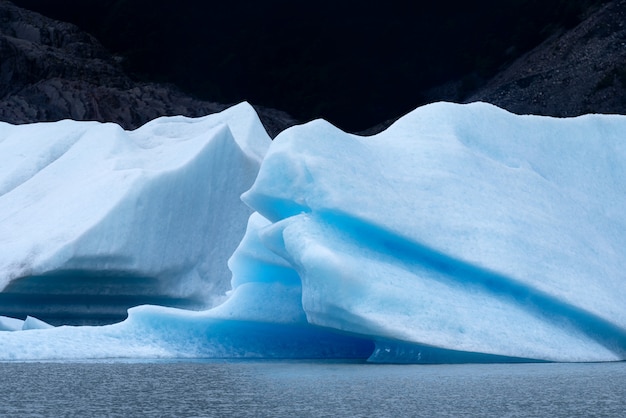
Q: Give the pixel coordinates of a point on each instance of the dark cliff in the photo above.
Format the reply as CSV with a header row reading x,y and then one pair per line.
x,y
351,62
51,70
355,66
582,70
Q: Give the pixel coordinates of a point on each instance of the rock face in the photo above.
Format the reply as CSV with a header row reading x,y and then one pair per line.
x,y
575,72
50,70
579,71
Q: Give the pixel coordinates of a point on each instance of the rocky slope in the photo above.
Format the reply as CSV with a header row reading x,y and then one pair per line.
x,y
579,71
51,70
576,71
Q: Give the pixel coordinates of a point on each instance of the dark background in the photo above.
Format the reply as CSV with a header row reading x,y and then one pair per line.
x,y
354,63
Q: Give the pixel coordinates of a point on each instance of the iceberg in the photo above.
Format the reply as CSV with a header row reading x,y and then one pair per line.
x,y
34,323
95,219
462,233
461,227
10,324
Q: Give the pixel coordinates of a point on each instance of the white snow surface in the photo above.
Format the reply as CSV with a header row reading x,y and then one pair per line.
x,y
461,233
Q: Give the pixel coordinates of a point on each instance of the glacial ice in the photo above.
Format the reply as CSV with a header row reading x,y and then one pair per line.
x,y
95,219
10,324
462,233
33,323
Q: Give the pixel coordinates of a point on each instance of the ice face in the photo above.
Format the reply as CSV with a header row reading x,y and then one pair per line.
x,y
460,227
462,233
34,323
95,219
10,324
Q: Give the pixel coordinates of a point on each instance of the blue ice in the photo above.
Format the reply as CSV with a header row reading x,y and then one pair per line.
x,y
462,233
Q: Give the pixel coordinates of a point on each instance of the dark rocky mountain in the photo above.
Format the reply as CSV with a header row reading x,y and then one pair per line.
x,y
578,71
364,65
575,71
352,62
51,70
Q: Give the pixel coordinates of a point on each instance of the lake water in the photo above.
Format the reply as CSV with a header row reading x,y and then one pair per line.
x,y
310,389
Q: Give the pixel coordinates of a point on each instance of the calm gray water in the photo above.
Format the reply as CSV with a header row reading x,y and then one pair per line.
x,y
311,389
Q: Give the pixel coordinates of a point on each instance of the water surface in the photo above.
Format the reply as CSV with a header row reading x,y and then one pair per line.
x,y
310,389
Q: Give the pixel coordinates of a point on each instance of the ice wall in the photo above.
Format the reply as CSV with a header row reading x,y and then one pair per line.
x,y
95,219
461,227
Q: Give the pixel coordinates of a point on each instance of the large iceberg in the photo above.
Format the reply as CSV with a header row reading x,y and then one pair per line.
x,y
461,233
460,227
95,219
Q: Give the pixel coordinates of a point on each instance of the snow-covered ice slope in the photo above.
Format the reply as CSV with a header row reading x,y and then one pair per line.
x,y
461,233
94,219
462,227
